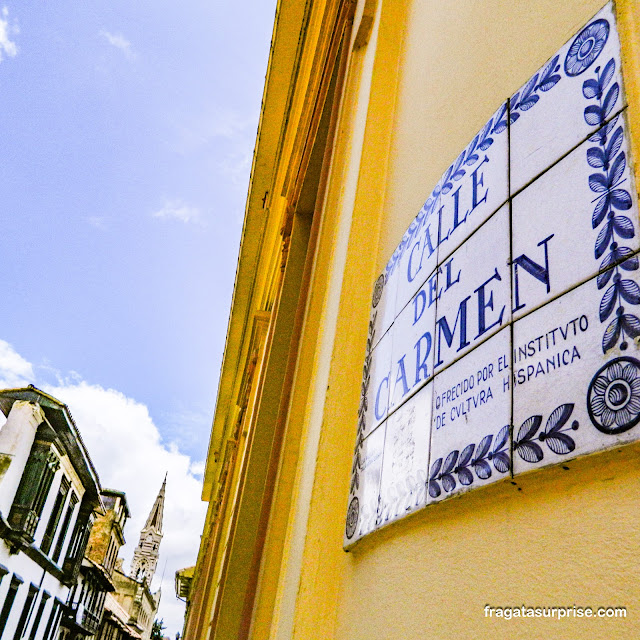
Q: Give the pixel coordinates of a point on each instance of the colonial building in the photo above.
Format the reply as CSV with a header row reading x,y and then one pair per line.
x,y
49,491
86,603
428,414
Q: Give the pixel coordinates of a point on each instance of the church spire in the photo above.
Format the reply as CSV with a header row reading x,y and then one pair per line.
x,y
145,556
154,521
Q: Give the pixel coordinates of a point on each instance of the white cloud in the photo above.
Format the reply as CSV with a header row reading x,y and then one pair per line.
x,y
178,210
130,455
15,371
118,41
7,47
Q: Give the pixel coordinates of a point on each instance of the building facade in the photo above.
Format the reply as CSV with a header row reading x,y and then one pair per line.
x,y
86,603
49,491
427,416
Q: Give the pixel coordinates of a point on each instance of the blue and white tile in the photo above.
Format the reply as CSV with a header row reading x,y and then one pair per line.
x,y
403,487
474,298
569,98
363,509
470,437
374,401
580,216
412,352
383,305
577,373
474,187
418,254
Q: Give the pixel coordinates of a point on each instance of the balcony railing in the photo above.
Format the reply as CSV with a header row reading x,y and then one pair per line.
x,y
90,621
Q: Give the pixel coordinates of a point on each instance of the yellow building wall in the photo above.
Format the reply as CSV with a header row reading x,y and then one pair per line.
x,y
555,537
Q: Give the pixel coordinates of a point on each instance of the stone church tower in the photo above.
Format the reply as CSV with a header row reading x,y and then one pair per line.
x,y
145,557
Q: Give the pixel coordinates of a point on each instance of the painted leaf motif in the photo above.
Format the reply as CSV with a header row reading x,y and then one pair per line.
x,y
608,302
482,469
471,156
611,334
602,241
435,469
601,135
529,428
501,462
528,89
605,273
486,143
501,439
607,75
483,447
600,211
610,101
525,105
528,98
593,115
530,451
631,325
614,144
513,116
598,182
558,418
547,80
458,173
500,121
629,291
595,157
550,82
590,89
448,482
621,199
466,454
434,489
560,443
617,168
623,227
631,264
450,462
465,476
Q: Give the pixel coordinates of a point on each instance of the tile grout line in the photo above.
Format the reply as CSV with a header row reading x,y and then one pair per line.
x,y
511,322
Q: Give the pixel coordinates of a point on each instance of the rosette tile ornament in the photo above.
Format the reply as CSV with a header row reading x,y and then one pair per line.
x,y
613,399
586,47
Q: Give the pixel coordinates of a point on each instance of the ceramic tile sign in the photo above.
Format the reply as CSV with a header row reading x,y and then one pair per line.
x,y
365,486
471,438
546,113
505,331
471,189
474,299
577,373
403,485
587,197
374,403
412,351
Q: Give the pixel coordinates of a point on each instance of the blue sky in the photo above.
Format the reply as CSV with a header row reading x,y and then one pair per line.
x,y
126,138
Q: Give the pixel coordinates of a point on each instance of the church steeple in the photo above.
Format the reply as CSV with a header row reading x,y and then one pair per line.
x,y
145,557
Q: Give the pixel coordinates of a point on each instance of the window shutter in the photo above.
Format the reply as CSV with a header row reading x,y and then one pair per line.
x,y
26,510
